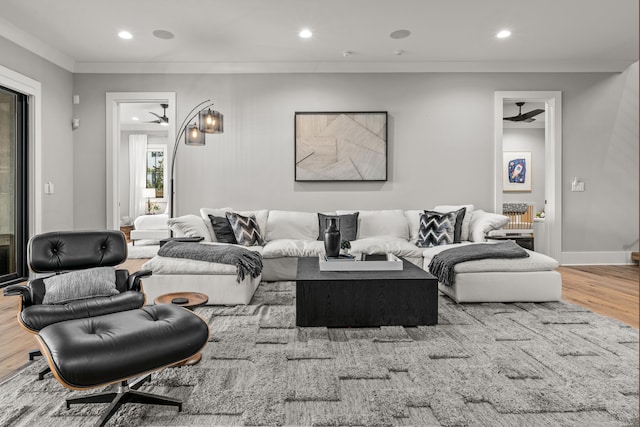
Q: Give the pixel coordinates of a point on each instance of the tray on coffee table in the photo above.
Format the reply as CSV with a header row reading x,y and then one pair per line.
x,y
382,262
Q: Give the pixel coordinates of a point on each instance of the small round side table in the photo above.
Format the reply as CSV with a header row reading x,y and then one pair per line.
x,y
188,300
193,299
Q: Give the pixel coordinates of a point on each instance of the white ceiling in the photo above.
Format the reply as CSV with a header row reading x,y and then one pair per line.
x,y
261,36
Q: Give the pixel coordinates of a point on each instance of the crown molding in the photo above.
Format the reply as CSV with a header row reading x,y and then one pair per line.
x,y
350,67
33,44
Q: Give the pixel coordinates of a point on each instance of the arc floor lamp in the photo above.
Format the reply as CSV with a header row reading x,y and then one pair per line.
x,y
209,121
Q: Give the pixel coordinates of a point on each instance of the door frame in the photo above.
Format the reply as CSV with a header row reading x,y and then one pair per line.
x,y
553,159
33,89
113,101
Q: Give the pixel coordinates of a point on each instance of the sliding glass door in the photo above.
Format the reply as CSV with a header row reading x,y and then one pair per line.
x,y
13,185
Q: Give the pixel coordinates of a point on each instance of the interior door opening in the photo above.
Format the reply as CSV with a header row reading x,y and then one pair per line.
x,y
14,216
533,151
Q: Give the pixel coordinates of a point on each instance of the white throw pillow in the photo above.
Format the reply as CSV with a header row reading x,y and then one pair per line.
x,y
465,222
386,223
292,225
189,226
413,218
483,222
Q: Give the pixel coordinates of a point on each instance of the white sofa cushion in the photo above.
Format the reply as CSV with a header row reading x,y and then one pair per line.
x,y
189,226
292,248
261,218
150,234
483,222
413,220
466,222
392,245
291,225
151,222
384,223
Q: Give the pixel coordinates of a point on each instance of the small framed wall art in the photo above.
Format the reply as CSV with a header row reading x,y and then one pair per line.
x,y
516,175
340,146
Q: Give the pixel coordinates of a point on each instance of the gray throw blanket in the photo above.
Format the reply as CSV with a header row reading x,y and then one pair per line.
x,y
247,262
442,264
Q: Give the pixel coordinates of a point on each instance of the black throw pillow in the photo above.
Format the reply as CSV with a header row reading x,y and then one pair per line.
x,y
348,225
457,232
223,230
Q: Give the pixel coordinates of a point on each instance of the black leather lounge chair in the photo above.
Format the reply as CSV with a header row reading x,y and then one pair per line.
x,y
65,251
102,340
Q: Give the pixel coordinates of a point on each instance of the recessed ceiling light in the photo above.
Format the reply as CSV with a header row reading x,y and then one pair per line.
x,y
135,119
163,34
305,34
400,34
125,35
503,34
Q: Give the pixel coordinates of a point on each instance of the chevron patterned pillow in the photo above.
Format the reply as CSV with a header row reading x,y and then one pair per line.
x,y
246,229
458,223
436,229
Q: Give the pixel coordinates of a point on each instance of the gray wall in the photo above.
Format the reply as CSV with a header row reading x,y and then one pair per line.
x,y
441,142
527,140
57,136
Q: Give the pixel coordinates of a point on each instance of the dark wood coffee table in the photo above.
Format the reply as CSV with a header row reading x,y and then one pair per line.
x,y
365,298
193,300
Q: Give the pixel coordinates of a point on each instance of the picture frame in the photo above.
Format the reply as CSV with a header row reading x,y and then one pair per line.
x,y
340,146
516,171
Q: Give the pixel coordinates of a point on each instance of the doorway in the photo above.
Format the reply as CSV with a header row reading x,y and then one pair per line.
x,y
550,232
14,119
116,102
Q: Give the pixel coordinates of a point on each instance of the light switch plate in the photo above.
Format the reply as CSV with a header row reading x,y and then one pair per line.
x,y
577,186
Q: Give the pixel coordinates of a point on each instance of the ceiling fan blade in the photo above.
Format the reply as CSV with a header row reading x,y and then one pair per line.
x,y
532,113
158,116
154,121
513,118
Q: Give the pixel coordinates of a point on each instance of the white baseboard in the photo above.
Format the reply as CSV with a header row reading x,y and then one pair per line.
x,y
596,258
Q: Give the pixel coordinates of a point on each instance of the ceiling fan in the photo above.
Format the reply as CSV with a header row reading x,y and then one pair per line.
x,y
526,117
162,120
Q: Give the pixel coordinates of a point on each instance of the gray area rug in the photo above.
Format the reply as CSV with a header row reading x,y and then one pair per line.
x,y
142,250
550,364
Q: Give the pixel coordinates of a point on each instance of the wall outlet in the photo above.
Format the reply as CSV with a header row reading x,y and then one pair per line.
x,y
48,187
577,185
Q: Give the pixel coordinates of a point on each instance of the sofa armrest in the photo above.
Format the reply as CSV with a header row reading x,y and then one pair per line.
x,y
483,222
134,279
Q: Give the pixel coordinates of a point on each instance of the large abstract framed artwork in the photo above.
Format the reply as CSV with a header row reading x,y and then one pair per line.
x,y
516,175
340,146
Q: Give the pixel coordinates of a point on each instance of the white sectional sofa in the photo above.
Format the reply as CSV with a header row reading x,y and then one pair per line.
x,y
289,235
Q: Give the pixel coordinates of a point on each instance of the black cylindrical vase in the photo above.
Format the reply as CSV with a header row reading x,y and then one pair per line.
x,y
332,238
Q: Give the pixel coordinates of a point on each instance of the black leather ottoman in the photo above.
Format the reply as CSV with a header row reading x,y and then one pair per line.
x,y
97,351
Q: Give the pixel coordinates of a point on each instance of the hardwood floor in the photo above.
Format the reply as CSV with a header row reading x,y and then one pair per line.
x,y
608,290
612,291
